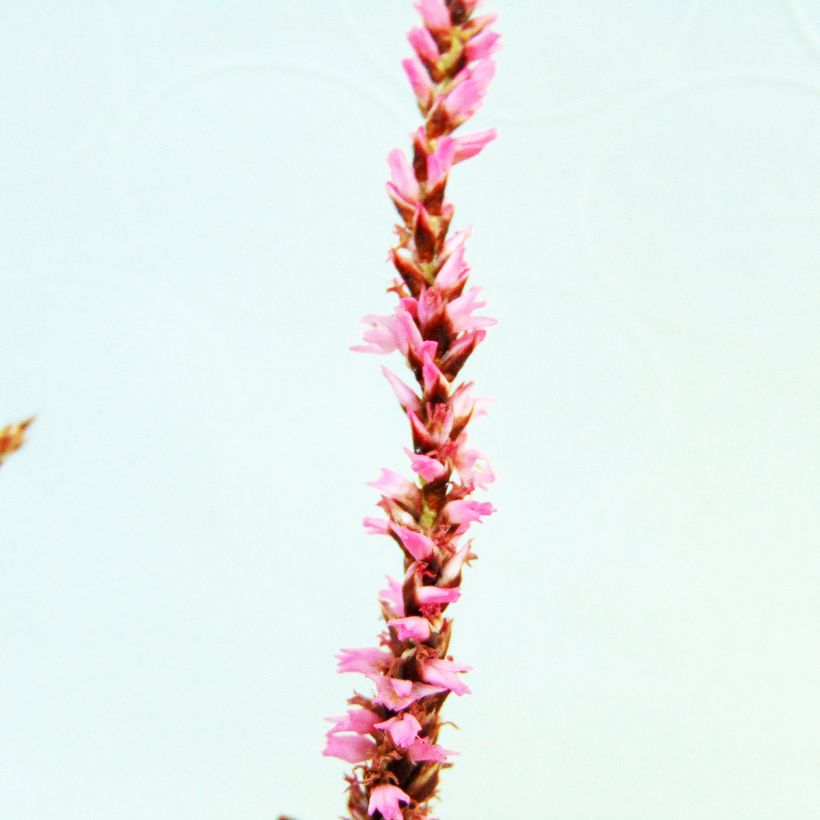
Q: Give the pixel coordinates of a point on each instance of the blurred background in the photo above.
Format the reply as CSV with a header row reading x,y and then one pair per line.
x,y
193,221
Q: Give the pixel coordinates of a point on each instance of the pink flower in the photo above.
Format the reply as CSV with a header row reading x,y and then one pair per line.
x,y
465,99
483,45
428,596
452,567
424,44
368,660
389,333
445,673
435,14
418,545
428,468
472,144
419,79
474,468
403,730
396,486
412,628
397,694
440,161
392,595
385,799
407,398
464,404
401,175
376,526
463,512
421,749
460,311
352,748
360,721
454,270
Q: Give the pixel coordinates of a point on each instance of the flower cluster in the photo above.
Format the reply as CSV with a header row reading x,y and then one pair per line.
x,y
12,437
393,734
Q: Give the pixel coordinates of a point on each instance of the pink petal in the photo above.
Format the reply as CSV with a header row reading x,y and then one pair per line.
x,y
403,730
397,694
360,721
407,398
392,594
418,545
472,144
376,526
474,468
440,161
427,596
401,174
412,628
421,749
428,468
452,567
367,660
419,79
424,44
397,487
435,14
463,512
483,45
385,799
445,673
352,748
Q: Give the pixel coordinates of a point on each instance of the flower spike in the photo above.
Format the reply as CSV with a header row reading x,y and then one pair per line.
x,y
392,734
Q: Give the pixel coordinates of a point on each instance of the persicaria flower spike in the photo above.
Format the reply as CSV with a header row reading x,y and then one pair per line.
x,y
392,734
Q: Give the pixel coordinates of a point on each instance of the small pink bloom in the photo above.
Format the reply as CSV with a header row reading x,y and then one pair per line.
x,y
407,398
385,799
428,468
392,595
452,567
464,404
403,730
398,487
483,45
376,526
401,174
437,430
427,596
454,271
419,79
460,312
472,144
435,384
424,44
412,628
474,468
360,721
440,161
397,694
352,748
368,660
464,512
435,14
418,545
465,99
389,333
445,673
421,749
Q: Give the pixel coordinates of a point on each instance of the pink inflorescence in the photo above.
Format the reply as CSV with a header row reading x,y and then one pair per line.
x,y
393,734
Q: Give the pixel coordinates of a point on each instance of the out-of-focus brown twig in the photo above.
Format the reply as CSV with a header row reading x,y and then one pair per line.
x,y
12,437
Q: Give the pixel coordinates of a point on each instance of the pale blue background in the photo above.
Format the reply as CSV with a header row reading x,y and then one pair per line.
x,y
193,221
